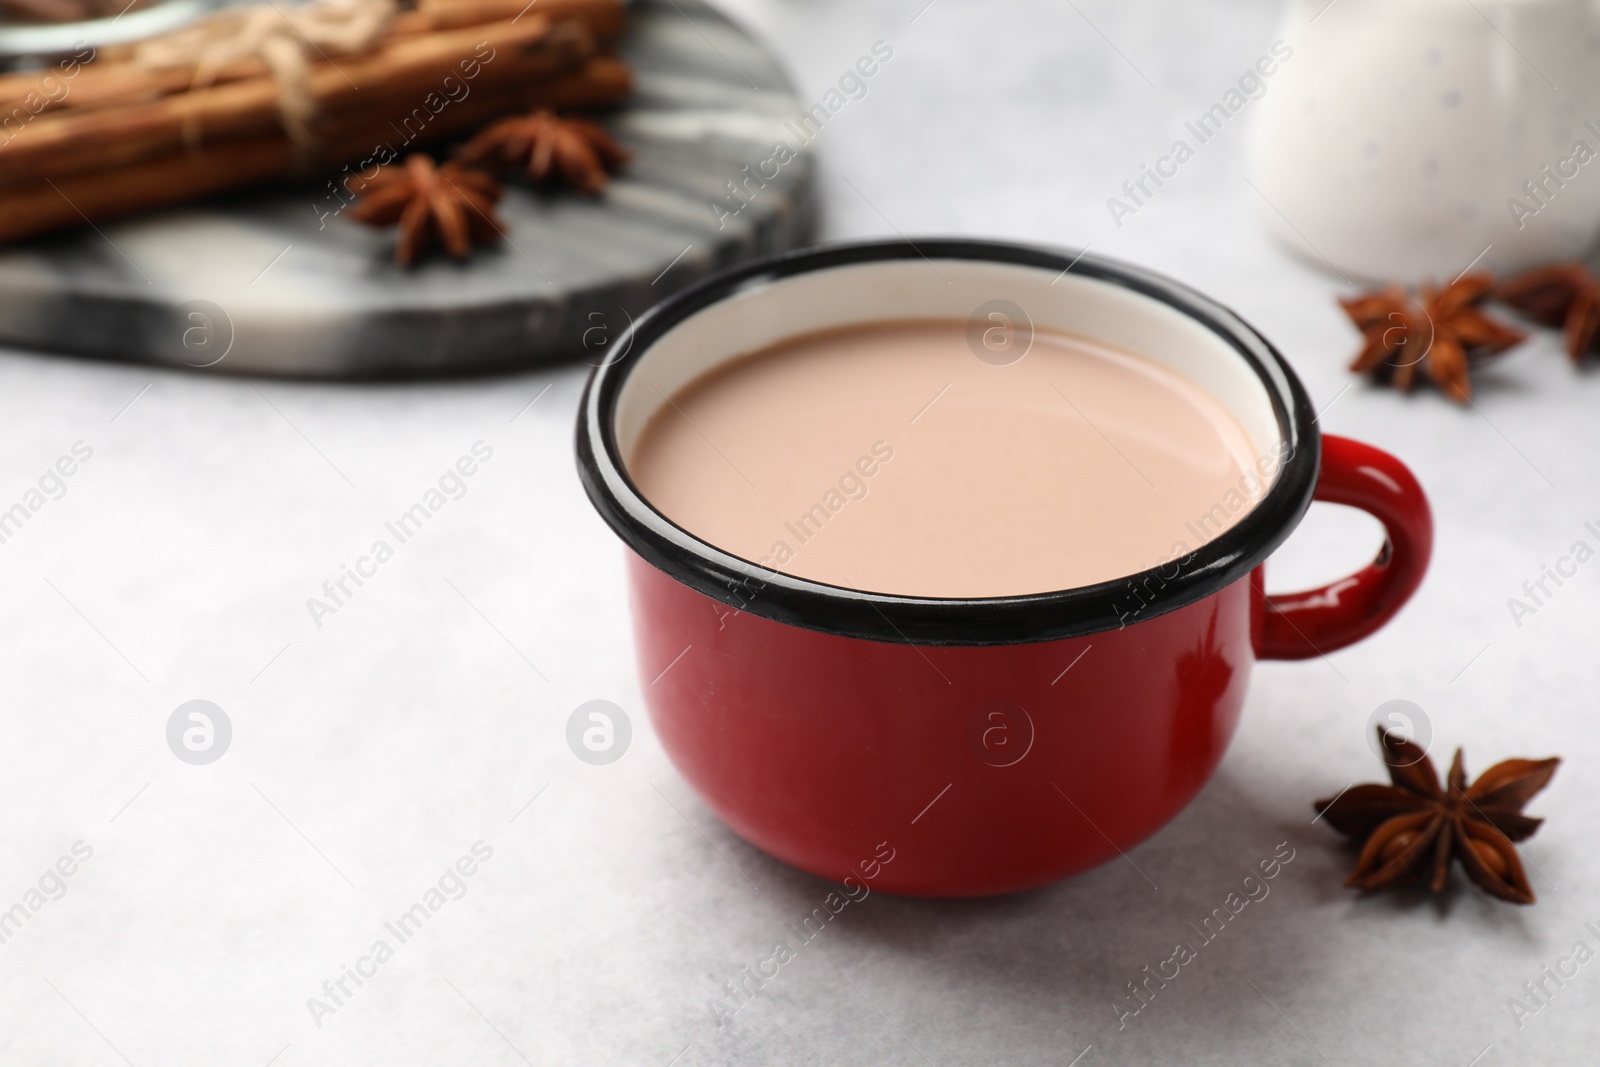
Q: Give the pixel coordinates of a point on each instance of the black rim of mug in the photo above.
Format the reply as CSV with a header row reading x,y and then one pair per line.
x,y
747,586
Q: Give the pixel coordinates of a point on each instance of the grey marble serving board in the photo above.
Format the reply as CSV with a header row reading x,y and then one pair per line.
x,y
269,283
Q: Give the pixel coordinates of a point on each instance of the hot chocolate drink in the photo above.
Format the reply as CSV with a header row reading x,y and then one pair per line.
x,y
889,458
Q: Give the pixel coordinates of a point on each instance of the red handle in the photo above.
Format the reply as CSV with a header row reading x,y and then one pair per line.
x,y
1302,625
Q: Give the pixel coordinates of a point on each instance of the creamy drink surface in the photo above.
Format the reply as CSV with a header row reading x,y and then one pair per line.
x,y
889,458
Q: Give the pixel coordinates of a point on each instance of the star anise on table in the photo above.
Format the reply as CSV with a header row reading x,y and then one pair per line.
x,y
1436,330
1413,829
546,146
1563,294
452,204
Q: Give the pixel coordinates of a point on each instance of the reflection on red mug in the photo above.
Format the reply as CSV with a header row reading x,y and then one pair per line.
x,y
999,743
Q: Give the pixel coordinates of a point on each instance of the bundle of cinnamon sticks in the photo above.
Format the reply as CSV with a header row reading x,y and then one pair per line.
x,y
87,141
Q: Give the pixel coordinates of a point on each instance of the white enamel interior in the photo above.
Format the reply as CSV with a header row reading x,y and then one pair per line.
x,y
765,314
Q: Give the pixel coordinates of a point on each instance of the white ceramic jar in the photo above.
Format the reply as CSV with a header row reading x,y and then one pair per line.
x,y
1406,137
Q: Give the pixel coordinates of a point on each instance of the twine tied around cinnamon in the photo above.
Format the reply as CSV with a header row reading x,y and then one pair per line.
x,y
284,38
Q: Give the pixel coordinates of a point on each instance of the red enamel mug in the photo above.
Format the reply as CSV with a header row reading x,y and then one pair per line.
x,y
987,745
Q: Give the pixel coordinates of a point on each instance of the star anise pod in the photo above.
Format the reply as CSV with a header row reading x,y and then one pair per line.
x,y
1414,828
546,146
451,203
1437,330
1563,294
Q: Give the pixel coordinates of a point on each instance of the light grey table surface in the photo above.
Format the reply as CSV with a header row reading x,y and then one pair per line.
x,y
427,713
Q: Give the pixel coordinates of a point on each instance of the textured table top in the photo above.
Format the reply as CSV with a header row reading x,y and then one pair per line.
x,y
422,724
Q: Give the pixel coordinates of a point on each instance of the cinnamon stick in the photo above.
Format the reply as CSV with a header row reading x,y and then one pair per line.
x,y
41,206
602,82
114,80
393,81
44,10
603,18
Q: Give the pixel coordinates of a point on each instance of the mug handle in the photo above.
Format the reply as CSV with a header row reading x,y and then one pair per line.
x,y
1303,625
